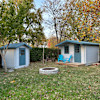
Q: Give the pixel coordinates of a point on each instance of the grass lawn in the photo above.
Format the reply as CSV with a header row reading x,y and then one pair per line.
x,y
71,83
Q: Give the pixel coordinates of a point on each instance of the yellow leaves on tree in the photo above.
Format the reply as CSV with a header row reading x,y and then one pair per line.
x,y
82,18
89,13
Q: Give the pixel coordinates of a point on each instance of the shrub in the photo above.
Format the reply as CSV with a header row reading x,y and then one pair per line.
x,y
36,54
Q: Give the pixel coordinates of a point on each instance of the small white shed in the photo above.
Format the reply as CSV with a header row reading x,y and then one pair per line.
x,y
82,52
17,55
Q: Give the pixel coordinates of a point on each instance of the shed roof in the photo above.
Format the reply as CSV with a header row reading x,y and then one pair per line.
x,y
15,45
77,42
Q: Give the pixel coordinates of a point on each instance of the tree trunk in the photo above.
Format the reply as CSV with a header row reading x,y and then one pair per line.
x,y
55,26
4,60
62,29
20,40
60,34
3,55
43,54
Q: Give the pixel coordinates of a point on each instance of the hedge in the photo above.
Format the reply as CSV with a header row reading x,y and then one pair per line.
x,y
36,54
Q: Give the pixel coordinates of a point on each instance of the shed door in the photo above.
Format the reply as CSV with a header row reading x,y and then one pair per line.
x,y
21,56
77,53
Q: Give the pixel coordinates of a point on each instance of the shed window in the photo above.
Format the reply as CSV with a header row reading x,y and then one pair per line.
x,y
77,49
66,48
22,52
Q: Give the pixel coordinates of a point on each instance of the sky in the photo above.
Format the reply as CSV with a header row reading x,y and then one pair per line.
x,y
47,31
38,3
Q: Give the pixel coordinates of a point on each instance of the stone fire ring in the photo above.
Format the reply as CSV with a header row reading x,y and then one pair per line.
x,y
48,70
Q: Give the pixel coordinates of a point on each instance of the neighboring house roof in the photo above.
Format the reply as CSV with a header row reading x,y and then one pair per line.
x,y
76,42
15,45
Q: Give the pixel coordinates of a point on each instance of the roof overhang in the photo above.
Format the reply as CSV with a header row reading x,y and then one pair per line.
x,y
14,46
76,42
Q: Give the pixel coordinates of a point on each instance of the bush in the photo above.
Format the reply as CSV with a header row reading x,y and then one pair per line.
x,y
36,54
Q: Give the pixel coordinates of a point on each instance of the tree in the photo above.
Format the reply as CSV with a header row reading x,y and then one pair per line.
x,y
34,27
52,41
82,20
69,25
89,12
7,26
14,15
54,9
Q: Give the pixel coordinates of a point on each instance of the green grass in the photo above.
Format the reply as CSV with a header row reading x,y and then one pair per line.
x,y
71,83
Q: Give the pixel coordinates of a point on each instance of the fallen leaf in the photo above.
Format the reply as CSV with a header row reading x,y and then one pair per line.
x,y
89,87
12,81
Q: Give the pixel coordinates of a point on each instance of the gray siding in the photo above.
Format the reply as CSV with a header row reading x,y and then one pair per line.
x,y
92,53
9,57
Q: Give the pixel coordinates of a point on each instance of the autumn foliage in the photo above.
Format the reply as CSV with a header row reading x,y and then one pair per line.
x,y
89,23
82,20
52,41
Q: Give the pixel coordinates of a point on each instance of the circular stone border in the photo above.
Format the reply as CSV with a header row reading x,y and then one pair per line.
x,y
53,70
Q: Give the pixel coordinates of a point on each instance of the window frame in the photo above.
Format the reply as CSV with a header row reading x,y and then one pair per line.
x,y
65,49
77,49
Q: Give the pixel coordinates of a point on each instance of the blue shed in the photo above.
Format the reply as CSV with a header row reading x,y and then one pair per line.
x,y
17,56
82,52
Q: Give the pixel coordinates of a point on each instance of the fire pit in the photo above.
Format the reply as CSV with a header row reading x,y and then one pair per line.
x,y
48,70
